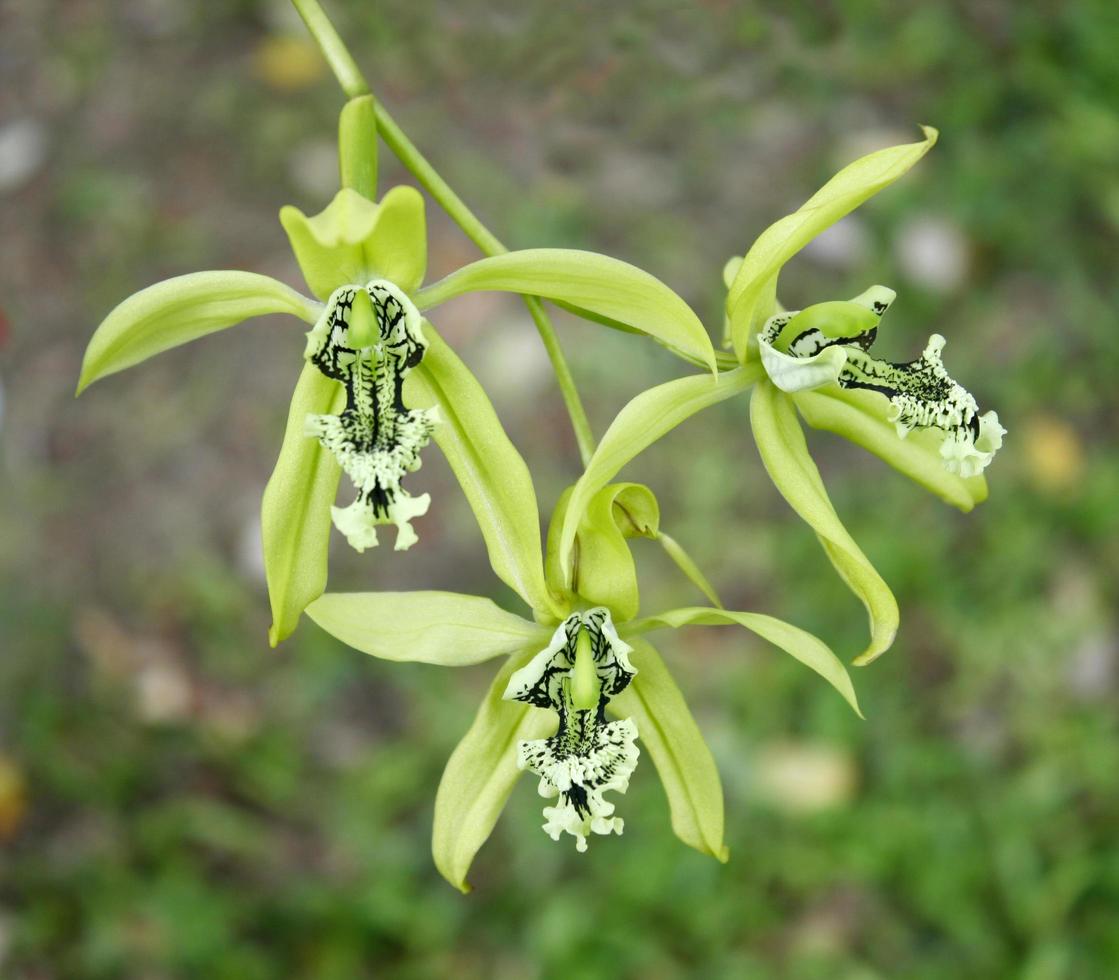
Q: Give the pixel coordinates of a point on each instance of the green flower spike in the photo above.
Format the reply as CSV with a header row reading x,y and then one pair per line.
x,y
576,675
582,658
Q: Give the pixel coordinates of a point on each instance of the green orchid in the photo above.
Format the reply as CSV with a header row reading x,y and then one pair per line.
x,y
581,692
817,362
364,262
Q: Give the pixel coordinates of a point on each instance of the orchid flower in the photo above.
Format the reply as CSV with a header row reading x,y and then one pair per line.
x,y
369,395
581,696
818,361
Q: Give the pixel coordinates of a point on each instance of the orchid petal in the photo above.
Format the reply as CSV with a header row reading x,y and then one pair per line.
x,y
295,509
785,455
798,643
480,775
751,299
182,309
444,628
597,283
674,742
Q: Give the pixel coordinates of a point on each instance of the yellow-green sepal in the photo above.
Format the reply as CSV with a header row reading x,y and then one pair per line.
x,y
752,296
177,311
354,240
295,510
444,628
801,645
672,739
785,455
481,774
492,474
603,286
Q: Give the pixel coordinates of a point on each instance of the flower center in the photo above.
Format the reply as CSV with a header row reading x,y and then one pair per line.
x,y
368,338
576,675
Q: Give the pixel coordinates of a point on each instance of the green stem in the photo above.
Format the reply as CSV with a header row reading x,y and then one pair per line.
x,y
333,48
354,84
489,244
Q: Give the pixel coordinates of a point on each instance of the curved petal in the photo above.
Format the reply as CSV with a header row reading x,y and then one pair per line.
x,y
602,285
354,240
603,572
752,296
481,774
674,742
444,628
295,509
182,309
863,418
637,426
785,455
488,467
798,643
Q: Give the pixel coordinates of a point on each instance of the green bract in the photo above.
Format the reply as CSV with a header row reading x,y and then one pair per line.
x,y
581,692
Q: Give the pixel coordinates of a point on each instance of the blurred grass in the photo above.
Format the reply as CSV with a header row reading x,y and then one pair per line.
x,y
178,801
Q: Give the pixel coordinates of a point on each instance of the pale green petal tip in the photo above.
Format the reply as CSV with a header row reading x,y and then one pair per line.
x,y
587,756
368,339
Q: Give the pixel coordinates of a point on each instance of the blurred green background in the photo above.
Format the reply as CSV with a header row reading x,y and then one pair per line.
x,y
177,800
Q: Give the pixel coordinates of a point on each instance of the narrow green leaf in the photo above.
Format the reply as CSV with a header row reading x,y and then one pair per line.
x,y
798,643
481,774
672,739
443,628
785,455
182,309
488,467
295,510
637,426
861,416
602,285
752,296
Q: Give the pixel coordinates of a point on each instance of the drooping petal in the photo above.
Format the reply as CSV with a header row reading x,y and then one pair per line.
x,y
479,777
182,309
637,426
678,750
295,509
491,472
443,628
354,240
597,283
368,339
785,455
798,643
587,756
751,299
